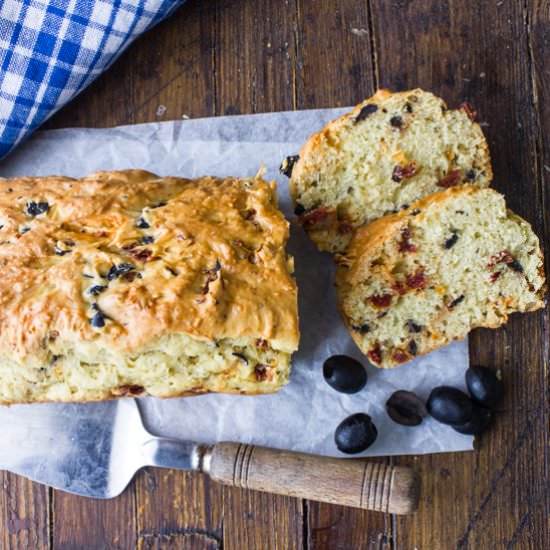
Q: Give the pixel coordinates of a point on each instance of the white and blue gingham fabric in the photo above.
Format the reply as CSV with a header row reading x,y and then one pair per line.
x,y
50,50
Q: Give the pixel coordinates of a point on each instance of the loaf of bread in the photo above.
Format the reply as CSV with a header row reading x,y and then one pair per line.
x,y
126,283
414,281
390,151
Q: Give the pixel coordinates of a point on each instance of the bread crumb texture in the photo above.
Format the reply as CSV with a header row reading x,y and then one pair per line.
x,y
456,260
126,283
390,151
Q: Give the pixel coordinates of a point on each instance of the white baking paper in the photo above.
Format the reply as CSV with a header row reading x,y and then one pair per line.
x,y
304,415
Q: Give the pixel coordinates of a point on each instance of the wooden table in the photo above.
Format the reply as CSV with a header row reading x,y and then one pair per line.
x,y
227,57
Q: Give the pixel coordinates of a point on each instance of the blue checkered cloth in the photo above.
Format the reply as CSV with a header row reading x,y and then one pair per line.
x,y
51,50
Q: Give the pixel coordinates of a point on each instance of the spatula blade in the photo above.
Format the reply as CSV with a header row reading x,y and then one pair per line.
x,y
90,449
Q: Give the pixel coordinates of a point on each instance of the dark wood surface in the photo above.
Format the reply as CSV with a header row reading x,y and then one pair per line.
x,y
226,57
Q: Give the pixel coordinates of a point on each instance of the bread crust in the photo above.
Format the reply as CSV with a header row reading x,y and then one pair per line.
x,y
118,260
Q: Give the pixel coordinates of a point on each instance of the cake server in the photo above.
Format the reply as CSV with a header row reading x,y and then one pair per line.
x,y
94,450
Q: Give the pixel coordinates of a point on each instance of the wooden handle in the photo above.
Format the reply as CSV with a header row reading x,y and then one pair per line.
x,y
351,482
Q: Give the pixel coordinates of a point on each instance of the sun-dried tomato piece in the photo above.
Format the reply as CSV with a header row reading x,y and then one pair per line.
x,y
405,244
400,288
450,180
400,356
417,280
403,172
469,110
375,354
494,276
143,255
320,218
382,301
263,372
261,343
344,228
504,257
130,390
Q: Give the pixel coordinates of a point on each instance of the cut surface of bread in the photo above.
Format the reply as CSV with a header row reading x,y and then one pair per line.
x,y
390,151
456,260
126,283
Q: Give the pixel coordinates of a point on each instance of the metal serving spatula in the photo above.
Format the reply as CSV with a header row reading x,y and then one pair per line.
x,y
97,454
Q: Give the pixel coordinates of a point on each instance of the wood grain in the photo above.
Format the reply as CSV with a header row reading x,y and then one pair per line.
x,y
364,484
174,506
222,57
336,67
503,486
24,513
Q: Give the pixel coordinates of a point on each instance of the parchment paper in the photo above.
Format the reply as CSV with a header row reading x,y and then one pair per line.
x,y
302,416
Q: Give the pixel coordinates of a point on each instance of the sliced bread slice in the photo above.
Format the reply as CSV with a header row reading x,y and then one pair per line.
x,y
390,151
456,260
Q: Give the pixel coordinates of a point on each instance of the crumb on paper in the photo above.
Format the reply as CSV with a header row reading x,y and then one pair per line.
x,y
546,167
359,32
161,109
185,117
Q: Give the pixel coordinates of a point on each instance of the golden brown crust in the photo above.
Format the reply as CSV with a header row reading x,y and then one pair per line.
x,y
150,255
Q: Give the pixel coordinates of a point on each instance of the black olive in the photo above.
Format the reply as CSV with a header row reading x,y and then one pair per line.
x,y
159,204
413,327
344,374
299,210
366,111
147,240
23,230
60,252
396,121
98,320
288,164
96,289
413,347
116,271
483,385
516,266
36,208
451,241
142,224
450,405
355,434
112,274
241,357
480,421
408,108
456,301
470,175
405,407
361,329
